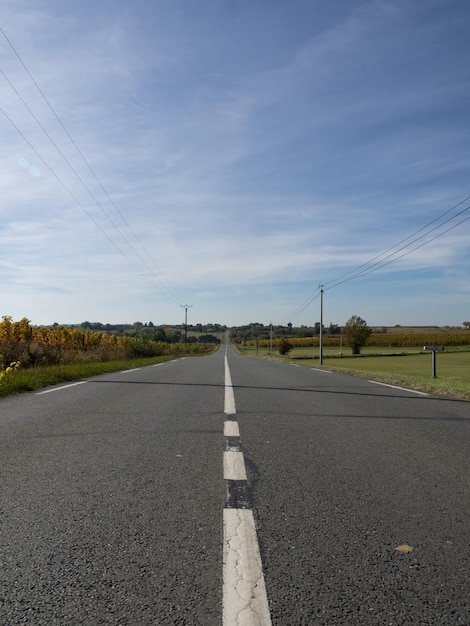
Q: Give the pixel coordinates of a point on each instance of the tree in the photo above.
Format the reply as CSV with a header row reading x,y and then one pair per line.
x,y
466,325
356,333
207,338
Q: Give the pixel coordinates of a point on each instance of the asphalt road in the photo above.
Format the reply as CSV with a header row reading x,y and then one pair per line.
x,y
114,499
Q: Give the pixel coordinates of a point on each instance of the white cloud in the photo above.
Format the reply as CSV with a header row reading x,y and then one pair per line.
x,y
241,156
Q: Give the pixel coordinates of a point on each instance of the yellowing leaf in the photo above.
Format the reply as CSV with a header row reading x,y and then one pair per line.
x,y
404,548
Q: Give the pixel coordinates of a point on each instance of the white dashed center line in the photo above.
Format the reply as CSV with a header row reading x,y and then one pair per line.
x,y
244,598
234,465
229,404
231,429
245,601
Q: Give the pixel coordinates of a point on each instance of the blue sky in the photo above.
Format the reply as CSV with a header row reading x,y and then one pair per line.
x,y
238,154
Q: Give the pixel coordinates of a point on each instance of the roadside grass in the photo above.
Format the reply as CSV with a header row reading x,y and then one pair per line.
x,y
408,367
30,379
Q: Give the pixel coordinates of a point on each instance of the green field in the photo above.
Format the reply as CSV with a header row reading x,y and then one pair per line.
x,y
408,367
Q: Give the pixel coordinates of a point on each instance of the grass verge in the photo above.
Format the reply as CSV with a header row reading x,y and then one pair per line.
x,y
410,368
21,380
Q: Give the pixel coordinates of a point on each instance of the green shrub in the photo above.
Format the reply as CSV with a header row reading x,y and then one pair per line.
x,y
285,346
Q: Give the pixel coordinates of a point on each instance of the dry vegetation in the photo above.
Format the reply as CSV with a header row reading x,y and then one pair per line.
x,y
33,357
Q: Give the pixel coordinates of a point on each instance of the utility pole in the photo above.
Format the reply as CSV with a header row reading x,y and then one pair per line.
x,y
186,307
321,324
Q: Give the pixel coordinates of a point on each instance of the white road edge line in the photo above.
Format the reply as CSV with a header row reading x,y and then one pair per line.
x,y
421,393
317,369
82,382
132,370
245,601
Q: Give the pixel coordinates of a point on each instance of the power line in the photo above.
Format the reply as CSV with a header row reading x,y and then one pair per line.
x,y
68,190
161,277
74,197
391,255
382,254
295,314
425,243
74,171
372,267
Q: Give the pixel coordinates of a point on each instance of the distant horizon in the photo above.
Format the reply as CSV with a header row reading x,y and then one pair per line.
x,y
325,325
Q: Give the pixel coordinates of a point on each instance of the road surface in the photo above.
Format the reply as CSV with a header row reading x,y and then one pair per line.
x,y
237,491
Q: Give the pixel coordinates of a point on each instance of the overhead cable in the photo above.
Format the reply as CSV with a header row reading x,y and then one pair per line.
x,y
74,197
160,277
375,263
392,254
295,314
421,245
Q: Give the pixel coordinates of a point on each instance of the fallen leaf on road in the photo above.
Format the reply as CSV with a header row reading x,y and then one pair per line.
x,y
404,548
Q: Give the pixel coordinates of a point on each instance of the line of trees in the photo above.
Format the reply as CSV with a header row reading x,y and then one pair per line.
x,y
354,334
194,333
257,331
122,328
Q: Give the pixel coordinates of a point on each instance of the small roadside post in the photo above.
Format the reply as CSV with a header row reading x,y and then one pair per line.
x,y
433,349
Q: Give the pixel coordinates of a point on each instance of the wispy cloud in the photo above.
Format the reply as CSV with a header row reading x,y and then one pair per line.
x,y
249,147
